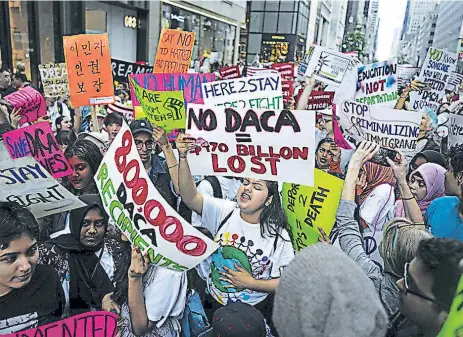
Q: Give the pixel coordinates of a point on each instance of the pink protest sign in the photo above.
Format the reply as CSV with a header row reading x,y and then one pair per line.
x,y
31,102
338,137
190,84
285,69
287,89
96,323
39,142
229,73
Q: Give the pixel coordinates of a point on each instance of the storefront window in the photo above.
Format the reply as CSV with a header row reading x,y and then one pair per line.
x,y
270,22
95,21
256,22
47,41
284,23
20,34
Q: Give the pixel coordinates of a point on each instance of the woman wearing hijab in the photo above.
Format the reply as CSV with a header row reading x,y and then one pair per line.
x,y
426,183
84,259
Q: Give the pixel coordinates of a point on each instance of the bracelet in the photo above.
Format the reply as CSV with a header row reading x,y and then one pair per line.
x,y
408,198
169,167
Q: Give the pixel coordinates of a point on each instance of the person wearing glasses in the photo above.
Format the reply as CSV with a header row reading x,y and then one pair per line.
x,y
159,170
428,286
399,242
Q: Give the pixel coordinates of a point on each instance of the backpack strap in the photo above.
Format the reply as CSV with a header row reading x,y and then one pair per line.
x,y
224,221
216,188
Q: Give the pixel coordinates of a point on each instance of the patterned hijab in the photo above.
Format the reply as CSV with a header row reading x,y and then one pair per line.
x,y
376,175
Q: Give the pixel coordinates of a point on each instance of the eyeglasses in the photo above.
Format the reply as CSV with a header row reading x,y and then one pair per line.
x,y
408,290
148,144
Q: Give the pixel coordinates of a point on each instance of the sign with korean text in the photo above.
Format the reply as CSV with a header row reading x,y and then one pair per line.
x,y
308,208
229,73
38,141
122,69
263,144
31,103
26,182
174,51
256,92
320,100
326,65
142,214
95,323
89,69
435,72
163,108
387,127
377,84
285,69
54,78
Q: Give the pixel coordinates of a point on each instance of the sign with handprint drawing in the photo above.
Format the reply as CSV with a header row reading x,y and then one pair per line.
x,y
163,108
326,65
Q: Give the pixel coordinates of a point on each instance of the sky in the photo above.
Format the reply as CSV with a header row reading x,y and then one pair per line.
x,y
391,14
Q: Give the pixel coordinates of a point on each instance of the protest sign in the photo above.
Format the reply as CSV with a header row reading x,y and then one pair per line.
x,y
101,323
142,214
229,73
388,127
174,51
377,83
436,71
122,69
30,101
405,74
285,69
256,92
348,88
287,90
263,144
38,141
190,84
308,208
89,70
455,130
320,100
454,81
26,182
337,133
453,325
163,108
252,71
327,65
54,78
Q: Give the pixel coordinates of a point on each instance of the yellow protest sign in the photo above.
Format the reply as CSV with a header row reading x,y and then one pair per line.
x,y
453,326
308,208
163,108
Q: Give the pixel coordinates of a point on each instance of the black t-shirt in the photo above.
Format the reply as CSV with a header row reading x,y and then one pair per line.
x,y
39,303
7,91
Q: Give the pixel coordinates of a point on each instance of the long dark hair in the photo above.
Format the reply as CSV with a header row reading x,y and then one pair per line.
x,y
85,150
121,277
273,219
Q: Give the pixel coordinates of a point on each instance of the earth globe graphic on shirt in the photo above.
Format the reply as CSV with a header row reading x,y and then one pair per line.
x,y
227,256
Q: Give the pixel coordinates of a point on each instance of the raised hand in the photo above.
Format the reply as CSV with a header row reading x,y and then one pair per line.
x,y
139,263
159,135
184,143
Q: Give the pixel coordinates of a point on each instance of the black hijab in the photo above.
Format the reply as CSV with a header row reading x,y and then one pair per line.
x,y
89,282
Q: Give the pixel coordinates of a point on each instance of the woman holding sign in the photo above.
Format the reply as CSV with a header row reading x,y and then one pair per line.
x,y
252,233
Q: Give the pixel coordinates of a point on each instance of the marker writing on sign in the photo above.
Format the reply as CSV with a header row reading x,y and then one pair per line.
x,y
20,175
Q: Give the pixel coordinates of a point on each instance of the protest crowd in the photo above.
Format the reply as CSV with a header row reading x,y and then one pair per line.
x,y
322,198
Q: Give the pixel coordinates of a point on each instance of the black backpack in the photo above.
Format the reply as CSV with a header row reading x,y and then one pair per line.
x,y
185,212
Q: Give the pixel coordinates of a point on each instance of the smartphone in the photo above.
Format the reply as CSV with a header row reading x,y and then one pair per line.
x,y
383,153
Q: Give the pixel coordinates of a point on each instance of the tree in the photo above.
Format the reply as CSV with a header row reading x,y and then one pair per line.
x,y
355,41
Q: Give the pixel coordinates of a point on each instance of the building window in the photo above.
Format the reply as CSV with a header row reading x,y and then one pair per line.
x,y
284,23
270,22
256,22
20,34
254,43
47,41
95,21
257,5
271,5
287,6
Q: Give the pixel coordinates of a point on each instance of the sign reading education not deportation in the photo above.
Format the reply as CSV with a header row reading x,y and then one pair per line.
x,y
142,214
26,182
377,84
256,92
263,144
388,127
